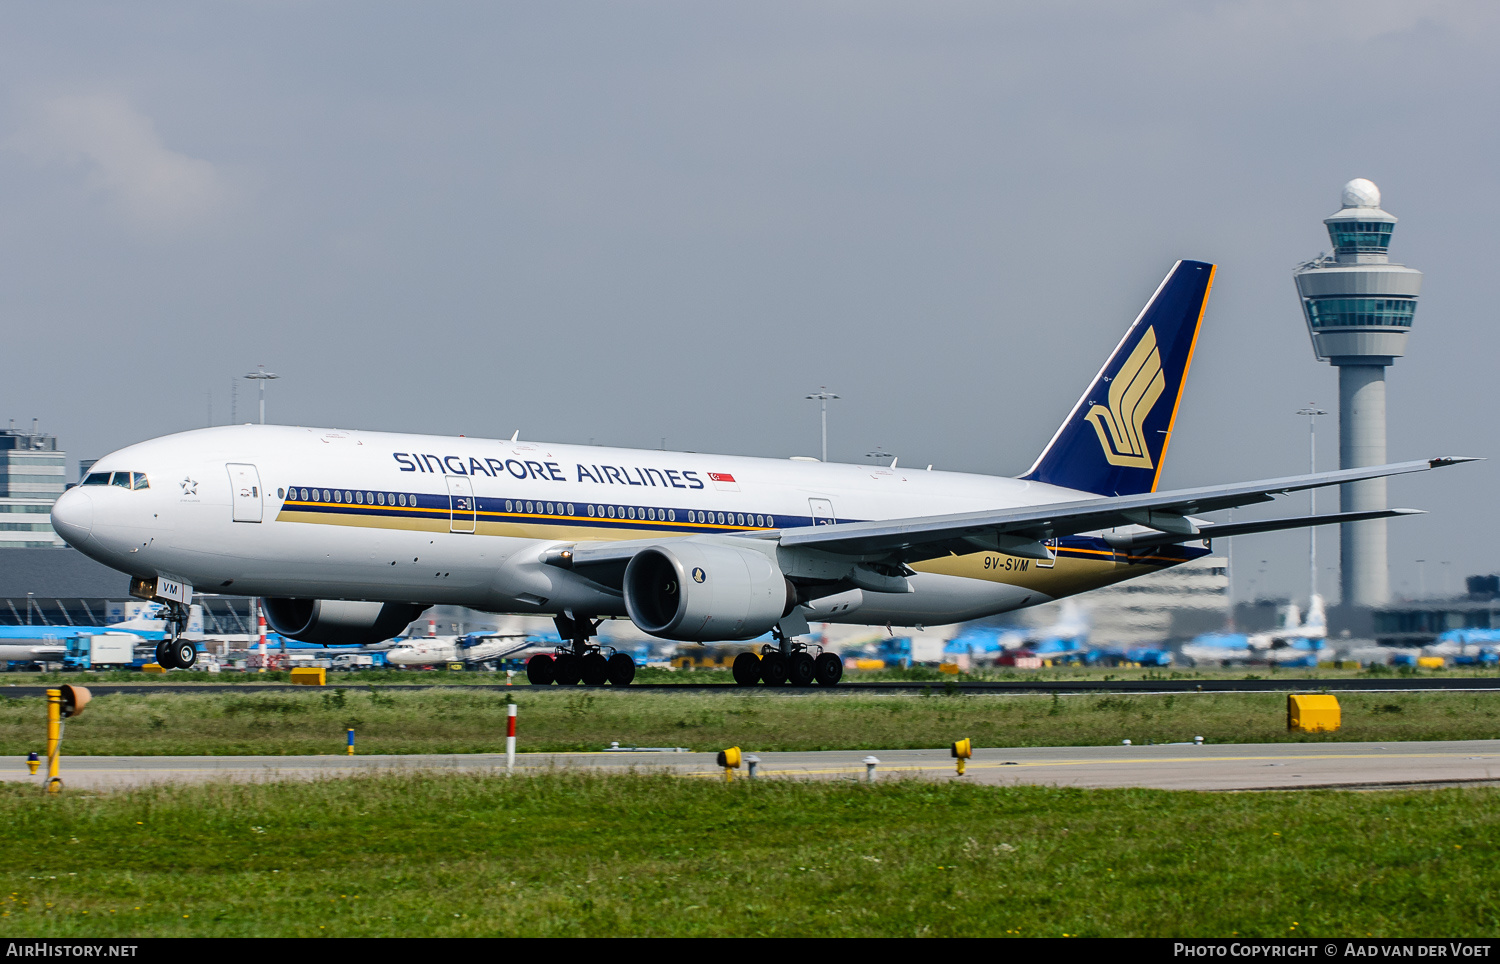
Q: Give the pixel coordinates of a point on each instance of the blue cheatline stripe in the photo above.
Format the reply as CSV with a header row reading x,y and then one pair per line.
x,y
346,503
421,505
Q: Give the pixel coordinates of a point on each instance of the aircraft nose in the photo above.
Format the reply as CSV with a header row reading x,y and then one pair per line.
x,y
73,516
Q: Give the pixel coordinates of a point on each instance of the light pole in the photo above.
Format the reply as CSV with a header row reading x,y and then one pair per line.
x,y
261,376
1312,412
822,395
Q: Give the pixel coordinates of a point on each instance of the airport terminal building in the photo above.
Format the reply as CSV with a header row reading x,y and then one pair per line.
x,y
32,476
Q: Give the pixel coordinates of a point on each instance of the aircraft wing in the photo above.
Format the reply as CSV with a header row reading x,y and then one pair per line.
x,y
1021,531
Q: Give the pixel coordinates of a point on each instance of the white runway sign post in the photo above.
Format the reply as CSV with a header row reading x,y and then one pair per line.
x,y
510,738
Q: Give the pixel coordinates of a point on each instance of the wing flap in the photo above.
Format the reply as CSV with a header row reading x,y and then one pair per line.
x,y
1141,540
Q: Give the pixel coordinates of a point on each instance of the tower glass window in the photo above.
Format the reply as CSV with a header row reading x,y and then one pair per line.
x,y
1360,236
1360,312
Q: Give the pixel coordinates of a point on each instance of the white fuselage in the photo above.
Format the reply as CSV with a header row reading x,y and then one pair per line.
x,y
326,514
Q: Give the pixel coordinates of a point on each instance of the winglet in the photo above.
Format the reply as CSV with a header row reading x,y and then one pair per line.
x,y
1443,460
1115,440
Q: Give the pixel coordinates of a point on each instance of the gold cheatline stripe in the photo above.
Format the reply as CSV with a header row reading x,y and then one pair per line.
x,y
338,507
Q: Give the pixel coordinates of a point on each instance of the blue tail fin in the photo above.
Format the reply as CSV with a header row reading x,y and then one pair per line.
x,y
1115,439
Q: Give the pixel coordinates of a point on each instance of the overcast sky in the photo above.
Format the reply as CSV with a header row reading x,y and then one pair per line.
x,y
633,221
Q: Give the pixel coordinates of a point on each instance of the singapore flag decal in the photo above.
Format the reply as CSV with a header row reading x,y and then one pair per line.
x,y
724,482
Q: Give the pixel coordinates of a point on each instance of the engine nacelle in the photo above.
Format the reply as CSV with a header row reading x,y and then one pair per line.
x,y
338,622
700,591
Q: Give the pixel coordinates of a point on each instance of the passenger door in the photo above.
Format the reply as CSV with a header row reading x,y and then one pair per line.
x,y
244,492
461,503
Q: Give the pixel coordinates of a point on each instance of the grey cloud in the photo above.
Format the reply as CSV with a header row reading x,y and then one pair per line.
x,y
121,156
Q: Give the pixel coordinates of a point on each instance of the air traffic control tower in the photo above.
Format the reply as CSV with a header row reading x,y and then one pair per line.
x,y
1359,308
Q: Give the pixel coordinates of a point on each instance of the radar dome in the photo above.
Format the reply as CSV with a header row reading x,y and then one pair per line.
x,y
1361,193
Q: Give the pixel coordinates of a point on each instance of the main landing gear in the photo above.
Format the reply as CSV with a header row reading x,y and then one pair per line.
x,y
788,662
175,652
578,660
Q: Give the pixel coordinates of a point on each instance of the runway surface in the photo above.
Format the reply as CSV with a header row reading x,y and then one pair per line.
x,y
1284,766
1393,684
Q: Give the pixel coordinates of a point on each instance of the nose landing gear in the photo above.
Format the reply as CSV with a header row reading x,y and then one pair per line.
x,y
175,652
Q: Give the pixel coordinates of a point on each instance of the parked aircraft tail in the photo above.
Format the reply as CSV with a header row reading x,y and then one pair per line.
x,y
1115,440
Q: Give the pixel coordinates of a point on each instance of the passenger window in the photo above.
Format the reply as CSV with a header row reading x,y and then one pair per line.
x,y
380,498
338,496
359,497
570,508
97,478
549,509
327,496
770,522
281,493
369,498
348,496
508,506
401,498
528,507
630,511
591,510
758,520
671,515
138,481
611,512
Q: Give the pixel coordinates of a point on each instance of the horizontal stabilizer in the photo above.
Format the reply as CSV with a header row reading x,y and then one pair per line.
x,y
928,537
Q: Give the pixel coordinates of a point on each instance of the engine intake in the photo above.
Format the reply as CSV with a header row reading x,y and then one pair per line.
x,y
338,622
701,591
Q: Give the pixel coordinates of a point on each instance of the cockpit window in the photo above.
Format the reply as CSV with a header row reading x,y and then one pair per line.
x,y
122,479
138,481
97,478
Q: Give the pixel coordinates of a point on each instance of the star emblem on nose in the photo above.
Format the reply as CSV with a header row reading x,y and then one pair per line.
x,y
189,487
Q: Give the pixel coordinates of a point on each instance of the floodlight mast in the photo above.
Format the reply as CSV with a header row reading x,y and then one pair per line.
x,y
823,395
1312,412
261,376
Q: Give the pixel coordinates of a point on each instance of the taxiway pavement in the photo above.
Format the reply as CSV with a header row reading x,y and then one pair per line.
x,y
1270,766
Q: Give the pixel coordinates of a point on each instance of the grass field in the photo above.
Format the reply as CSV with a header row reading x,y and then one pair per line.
x,y
552,719
568,854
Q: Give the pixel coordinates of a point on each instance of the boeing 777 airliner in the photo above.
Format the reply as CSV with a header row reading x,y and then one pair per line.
x,y
349,535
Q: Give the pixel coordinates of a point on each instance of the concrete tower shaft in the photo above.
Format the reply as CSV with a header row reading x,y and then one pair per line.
x,y
1359,309
1364,571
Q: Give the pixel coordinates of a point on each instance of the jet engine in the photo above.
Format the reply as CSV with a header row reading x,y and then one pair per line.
x,y
700,591
338,622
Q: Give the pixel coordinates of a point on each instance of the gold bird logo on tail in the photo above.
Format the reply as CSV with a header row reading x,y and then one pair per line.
x,y
1132,394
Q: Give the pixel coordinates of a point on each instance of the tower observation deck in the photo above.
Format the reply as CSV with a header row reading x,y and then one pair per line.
x,y
1359,308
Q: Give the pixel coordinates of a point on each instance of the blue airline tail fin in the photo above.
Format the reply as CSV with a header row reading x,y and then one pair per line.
x,y
1115,439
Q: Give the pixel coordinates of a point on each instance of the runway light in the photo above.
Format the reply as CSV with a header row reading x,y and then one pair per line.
x,y
870,764
730,760
33,761
351,741
753,763
961,751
